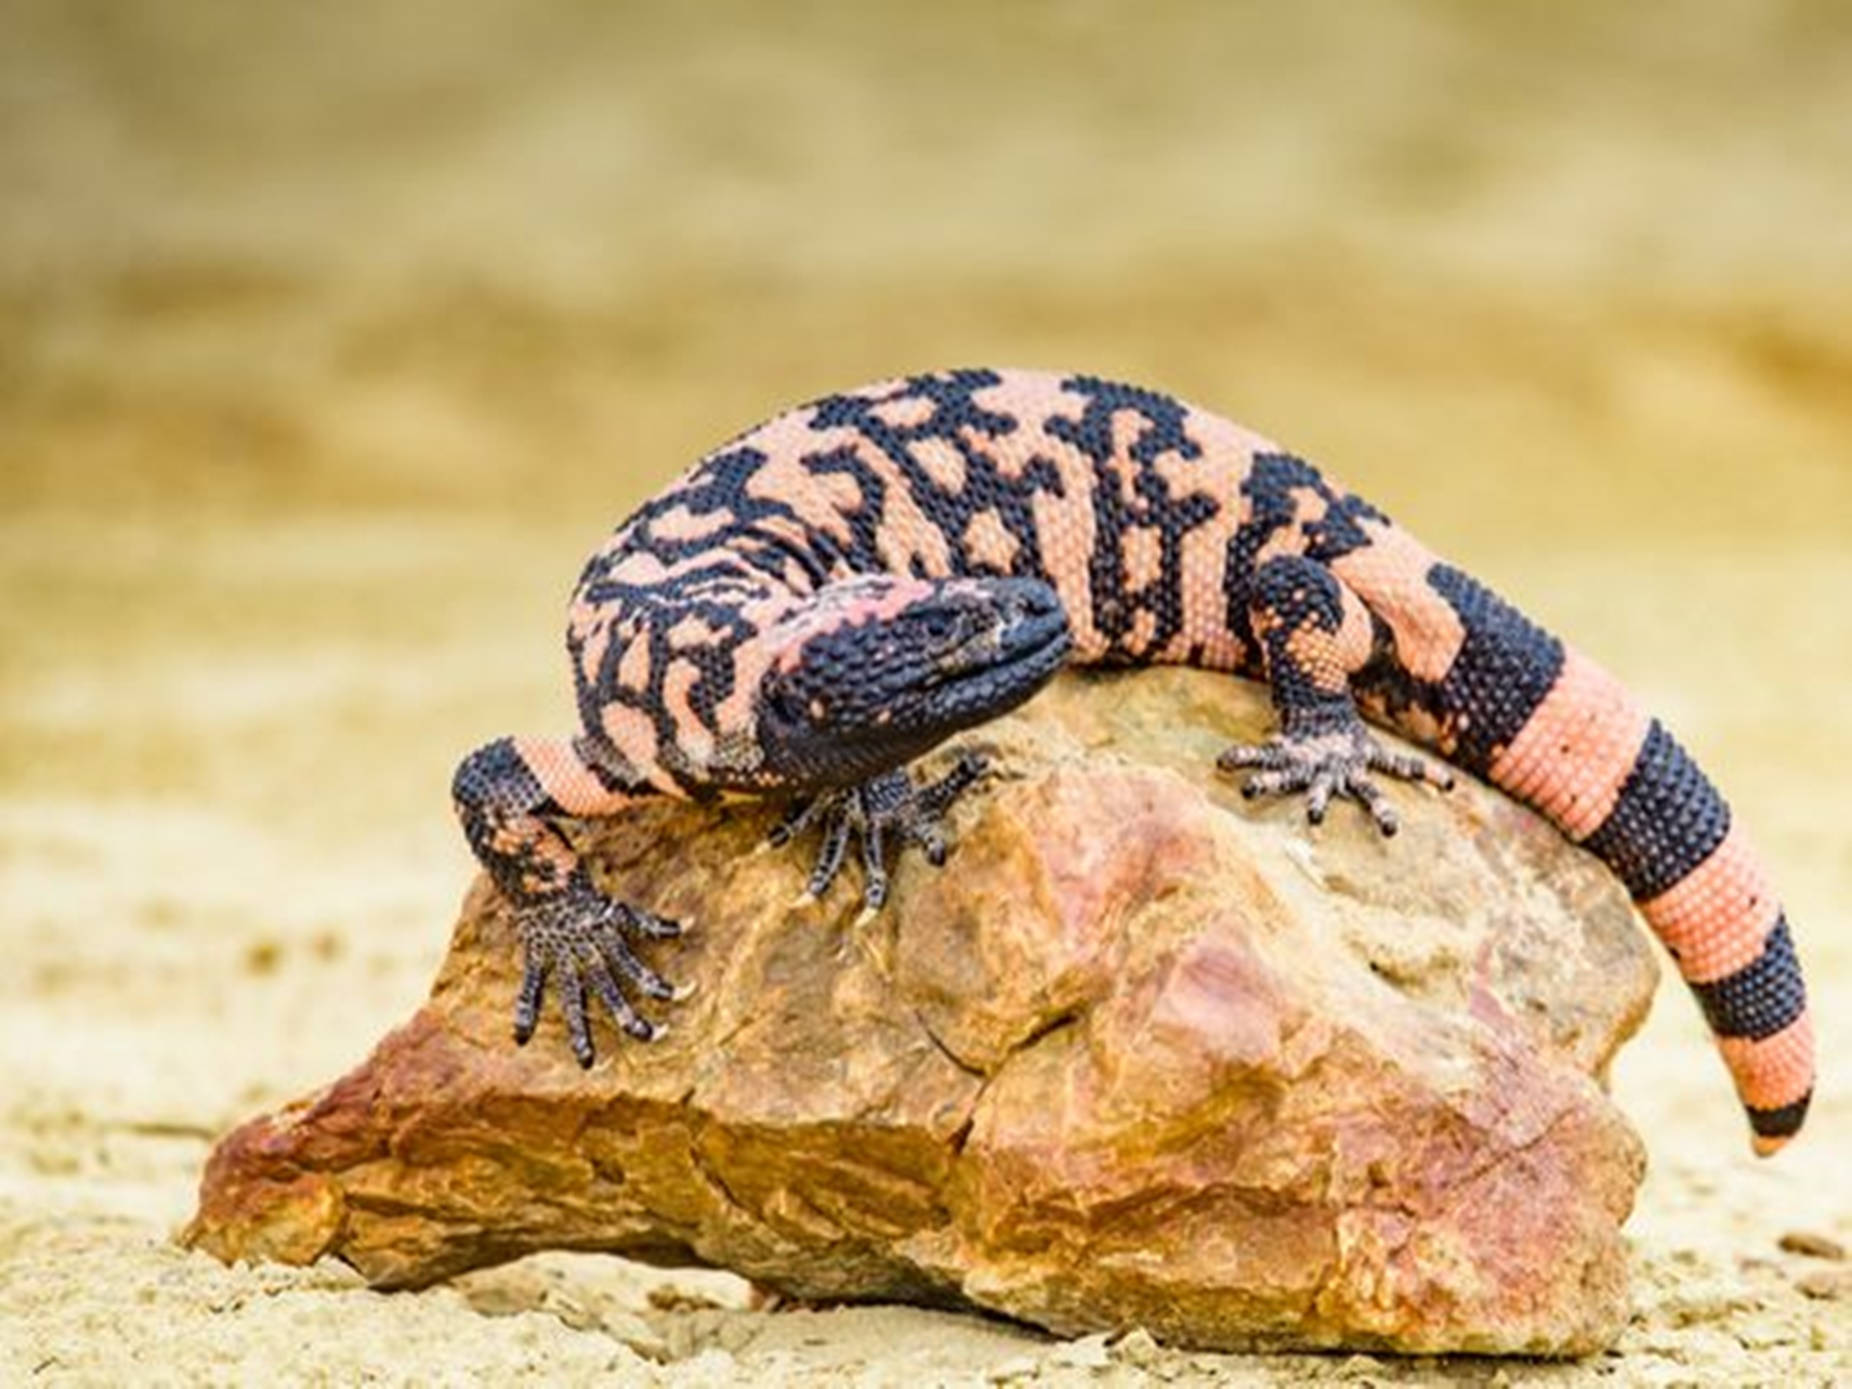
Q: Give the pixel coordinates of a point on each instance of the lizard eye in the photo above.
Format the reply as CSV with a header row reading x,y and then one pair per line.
x,y
941,625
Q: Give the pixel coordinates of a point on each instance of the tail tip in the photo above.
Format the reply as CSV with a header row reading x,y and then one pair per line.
x,y
1772,1129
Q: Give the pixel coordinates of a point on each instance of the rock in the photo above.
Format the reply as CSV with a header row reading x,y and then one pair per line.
x,y
1141,1055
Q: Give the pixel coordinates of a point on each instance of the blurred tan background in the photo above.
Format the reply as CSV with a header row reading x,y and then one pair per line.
x,y
332,336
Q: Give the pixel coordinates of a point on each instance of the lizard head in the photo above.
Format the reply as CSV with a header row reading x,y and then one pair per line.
x,y
873,671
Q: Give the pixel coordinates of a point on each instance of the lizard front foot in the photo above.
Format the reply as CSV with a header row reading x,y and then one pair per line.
x,y
1336,762
582,939
885,807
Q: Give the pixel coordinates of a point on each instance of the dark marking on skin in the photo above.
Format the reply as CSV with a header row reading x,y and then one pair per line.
x,y
609,768
1782,1122
863,555
1292,592
1502,673
956,420
1760,999
1150,505
1666,821
715,661
1272,480
1269,491
717,486
492,788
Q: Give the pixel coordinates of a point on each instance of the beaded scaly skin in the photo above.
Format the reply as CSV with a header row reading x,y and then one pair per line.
x,y
825,598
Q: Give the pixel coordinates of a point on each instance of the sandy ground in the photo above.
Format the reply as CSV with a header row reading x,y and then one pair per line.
x,y
329,344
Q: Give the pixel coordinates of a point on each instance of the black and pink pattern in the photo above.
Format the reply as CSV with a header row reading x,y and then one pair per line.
x,y
839,590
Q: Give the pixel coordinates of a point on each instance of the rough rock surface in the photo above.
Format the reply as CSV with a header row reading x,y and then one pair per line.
x,y
1141,1055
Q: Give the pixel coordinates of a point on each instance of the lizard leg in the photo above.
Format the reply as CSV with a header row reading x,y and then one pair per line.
x,y
879,811
1316,634
510,795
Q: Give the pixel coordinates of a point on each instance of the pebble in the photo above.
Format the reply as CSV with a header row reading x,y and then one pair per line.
x,y
1138,1347
1827,1284
1016,1367
1088,1353
1813,1246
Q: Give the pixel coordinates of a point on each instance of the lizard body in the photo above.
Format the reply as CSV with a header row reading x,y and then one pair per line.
x,y
826,597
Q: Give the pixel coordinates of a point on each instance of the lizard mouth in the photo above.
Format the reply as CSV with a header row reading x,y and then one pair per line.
x,y
1035,648
1033,644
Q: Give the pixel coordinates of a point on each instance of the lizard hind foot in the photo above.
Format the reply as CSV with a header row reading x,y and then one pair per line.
x,y
582,940
877,812
1333,763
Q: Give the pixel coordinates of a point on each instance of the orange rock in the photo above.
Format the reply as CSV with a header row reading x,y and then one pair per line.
x,y
1141,1055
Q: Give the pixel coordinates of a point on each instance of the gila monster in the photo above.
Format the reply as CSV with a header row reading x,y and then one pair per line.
x,y
825,598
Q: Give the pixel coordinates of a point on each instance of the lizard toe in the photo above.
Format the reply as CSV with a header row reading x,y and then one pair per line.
x,y
1330,764
890,808
580,941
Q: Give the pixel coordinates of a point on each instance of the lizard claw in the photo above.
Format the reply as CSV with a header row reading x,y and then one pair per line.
x,y
878,811
581,940
1327,765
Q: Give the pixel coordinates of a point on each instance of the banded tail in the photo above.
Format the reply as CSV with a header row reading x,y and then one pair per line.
x,y
1616,782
